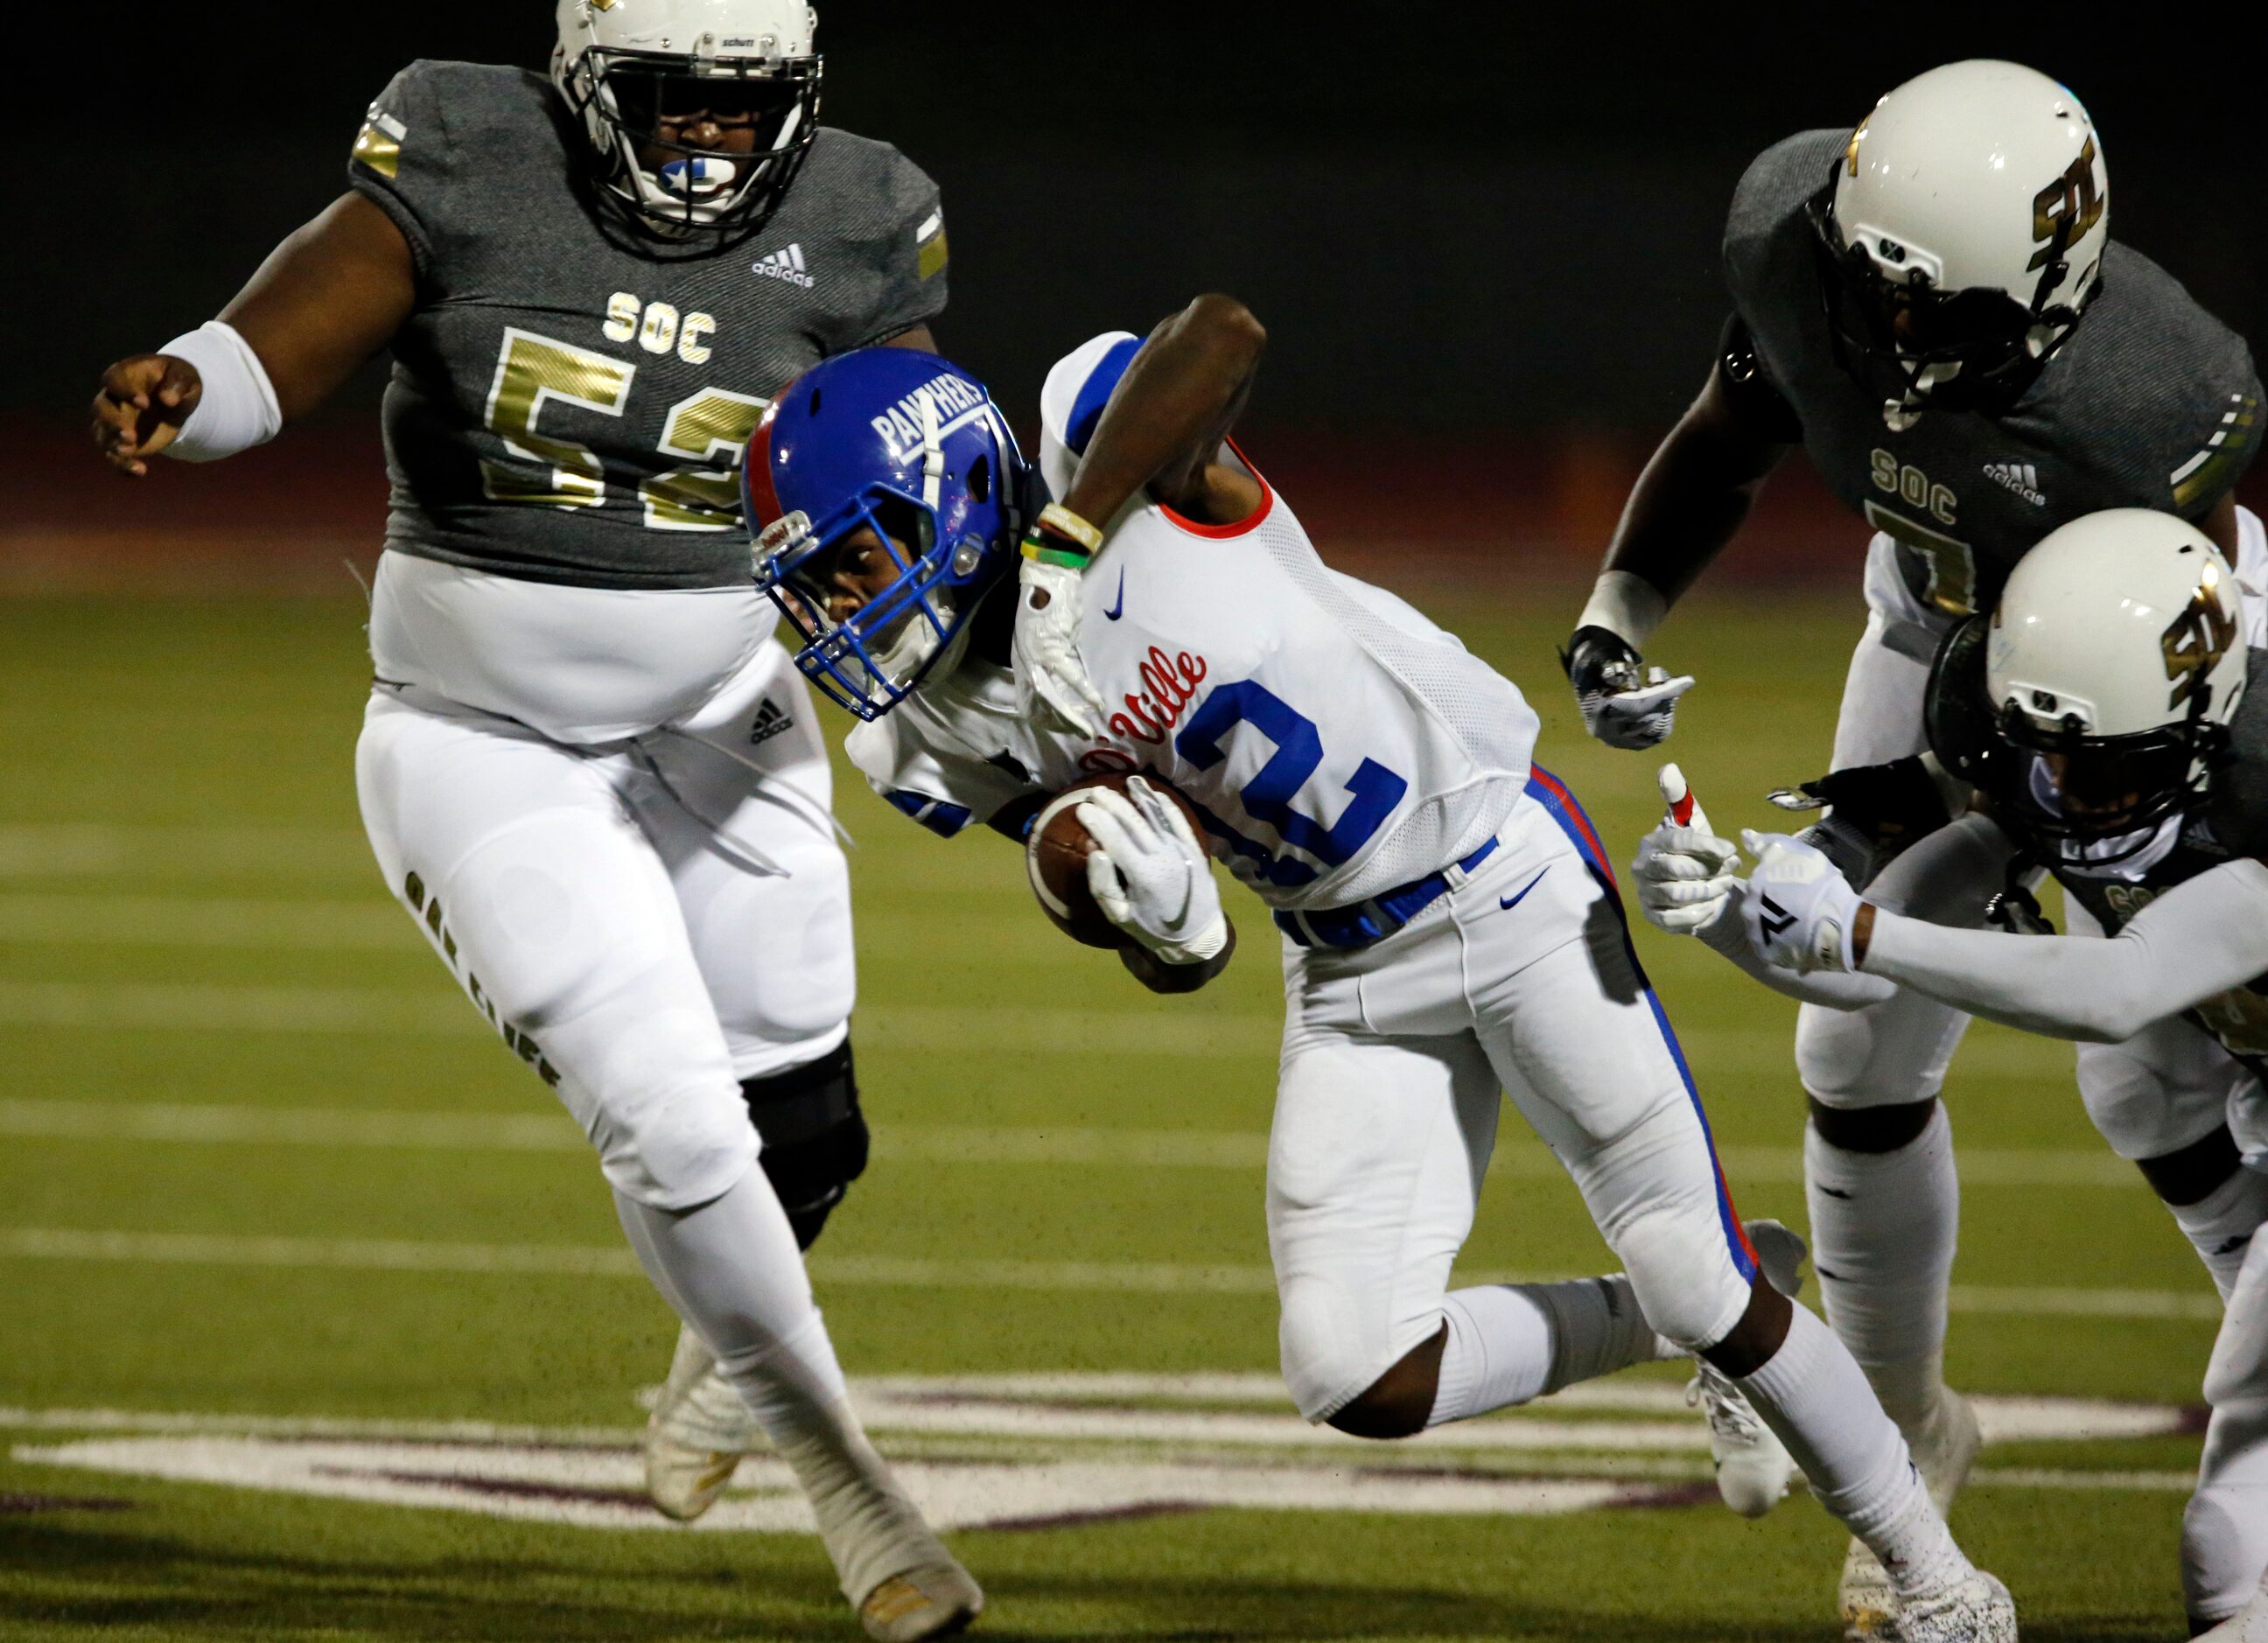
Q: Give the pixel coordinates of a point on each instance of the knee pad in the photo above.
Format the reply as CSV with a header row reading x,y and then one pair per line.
x,y
2194,1172
2158,1093
1681,1270
1327,1361
1875,1130
814,1137
1886,1054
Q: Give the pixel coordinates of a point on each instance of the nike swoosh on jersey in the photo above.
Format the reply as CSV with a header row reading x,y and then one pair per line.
x,y
1118,609
1510,901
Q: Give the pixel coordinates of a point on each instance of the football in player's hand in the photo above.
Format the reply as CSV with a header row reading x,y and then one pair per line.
x,y
1056,855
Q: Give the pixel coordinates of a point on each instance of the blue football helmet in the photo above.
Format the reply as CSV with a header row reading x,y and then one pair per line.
x,y
902,445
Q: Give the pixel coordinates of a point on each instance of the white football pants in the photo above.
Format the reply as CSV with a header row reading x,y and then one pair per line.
x,y
1520,980
645,923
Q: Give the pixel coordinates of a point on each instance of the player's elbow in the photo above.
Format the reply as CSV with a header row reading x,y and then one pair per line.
x,y
2107,1024
1227,326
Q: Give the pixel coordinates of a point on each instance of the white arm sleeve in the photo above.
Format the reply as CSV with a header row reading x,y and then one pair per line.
x,y
2198,939
237,408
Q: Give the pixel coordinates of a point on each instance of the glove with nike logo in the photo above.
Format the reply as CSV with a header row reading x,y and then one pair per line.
x,y
1150,875
1798,909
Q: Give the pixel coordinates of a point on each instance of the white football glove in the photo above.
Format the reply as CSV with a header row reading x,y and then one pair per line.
x,y
1684,872
1799,909
1045,648
1150,876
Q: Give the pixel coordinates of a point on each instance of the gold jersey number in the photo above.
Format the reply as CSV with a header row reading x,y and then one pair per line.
x,y
710,428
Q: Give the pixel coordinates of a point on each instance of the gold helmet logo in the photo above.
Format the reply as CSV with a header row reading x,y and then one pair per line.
x,y
2199,638
1851,148
2063,211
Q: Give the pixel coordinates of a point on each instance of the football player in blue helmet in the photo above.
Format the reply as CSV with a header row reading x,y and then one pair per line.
x,y
1265,693
895,495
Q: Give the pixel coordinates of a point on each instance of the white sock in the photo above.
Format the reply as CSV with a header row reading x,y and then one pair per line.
x,y
2225,1529
1511,1343
1883,1228
2221,1225
1813,1396
2225,1526
732,1270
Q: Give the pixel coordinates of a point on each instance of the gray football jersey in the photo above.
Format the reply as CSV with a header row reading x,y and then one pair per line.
x,y
568,404
2151,403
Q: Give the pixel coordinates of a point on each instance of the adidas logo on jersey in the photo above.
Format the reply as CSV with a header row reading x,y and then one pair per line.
x,y
771,720
787,265
2020,477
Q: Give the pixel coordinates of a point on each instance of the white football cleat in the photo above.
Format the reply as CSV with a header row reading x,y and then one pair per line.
x,y
696,1434
1754,1469
938,1600
1943,1452
1977,1609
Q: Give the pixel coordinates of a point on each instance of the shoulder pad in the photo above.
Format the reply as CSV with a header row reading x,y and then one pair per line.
x,y
2237,808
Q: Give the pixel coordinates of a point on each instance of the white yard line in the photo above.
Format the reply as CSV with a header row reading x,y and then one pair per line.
x,y
1075,1276
1052,1450
1116,1405
1142,1028
311,926
70,849
218,1124
189,1006
193,1007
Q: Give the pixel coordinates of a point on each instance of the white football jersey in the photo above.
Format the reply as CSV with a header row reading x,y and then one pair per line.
x,y
1337,743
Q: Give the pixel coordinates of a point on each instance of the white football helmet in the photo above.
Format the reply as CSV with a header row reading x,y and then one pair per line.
x,y
745,64
2113,664
1962,235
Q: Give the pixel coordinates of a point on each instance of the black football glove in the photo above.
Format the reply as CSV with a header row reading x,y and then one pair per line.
x,y
1625,703
1879,809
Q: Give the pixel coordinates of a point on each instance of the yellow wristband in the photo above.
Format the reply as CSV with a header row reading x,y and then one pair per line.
x,y
1056,518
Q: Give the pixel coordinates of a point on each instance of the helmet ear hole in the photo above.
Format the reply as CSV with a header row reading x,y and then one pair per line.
x,y
980,479
815,396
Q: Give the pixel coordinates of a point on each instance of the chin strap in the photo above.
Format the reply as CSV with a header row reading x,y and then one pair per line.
x,y
2016,909
932,450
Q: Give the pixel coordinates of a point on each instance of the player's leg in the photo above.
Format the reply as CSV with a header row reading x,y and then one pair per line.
x,y
2225,1528
712,1263
522,862
2161,1098
736,803
1586,1052
741,813
1374,1164
1878,1150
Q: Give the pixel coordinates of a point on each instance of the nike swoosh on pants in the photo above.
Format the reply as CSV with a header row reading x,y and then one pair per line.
x,y
1508,902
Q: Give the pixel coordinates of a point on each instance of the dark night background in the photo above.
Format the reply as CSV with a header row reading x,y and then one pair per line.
x,y
1467,231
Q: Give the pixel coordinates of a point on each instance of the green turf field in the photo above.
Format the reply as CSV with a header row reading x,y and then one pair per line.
x,y
275,1208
